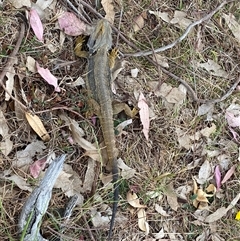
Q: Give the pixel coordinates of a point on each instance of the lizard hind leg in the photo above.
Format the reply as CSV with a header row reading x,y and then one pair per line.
x,y
118,107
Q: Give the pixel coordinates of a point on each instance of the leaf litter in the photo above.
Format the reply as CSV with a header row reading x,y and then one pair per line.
x,y
194,140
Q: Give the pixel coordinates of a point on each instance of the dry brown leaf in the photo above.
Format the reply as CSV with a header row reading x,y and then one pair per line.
x,y
109,10
201,196
183,138
106,180
159,235
126,171
161,60
31,64
133,200
219,213
142,221
70,183
233,25
19,181
171,197
77,134
216,237
163,15
195,187
37,125
180,20
138,23
203,236
211,188
213,68
160,210
208,130
24,157
201,201
89,176
204,172
184,191
5,144
10,80
164,90
98,219
208,109
43,4
175,96
20,4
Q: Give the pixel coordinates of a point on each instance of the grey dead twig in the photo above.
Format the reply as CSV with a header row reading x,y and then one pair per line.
x,y
37,203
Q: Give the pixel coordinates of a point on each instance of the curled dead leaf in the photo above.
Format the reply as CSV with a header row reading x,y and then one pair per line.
x,y
133,200
211,188
142,221
201,201
138,23
201,196
37,125
195,187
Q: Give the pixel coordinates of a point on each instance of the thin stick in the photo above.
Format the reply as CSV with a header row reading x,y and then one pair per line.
x,y
88,228
76,11
59,108
10,63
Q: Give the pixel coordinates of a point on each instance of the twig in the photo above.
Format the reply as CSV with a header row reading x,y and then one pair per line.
x,y
10,63
119,25
180,39
76,11
88,228
59,108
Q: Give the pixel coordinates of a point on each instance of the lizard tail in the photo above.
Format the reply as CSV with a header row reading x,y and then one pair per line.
x,y
115,198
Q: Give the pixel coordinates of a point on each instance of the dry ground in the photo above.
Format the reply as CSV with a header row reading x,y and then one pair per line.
x,y
161,162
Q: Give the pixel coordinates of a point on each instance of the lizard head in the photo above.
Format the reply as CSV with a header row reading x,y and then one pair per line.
x,y
101,36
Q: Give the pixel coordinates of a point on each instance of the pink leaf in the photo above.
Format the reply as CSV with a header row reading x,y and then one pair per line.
x,y
46,74
37,167
217,175
70,139
232,120
229,174
144,114
36,24
71,25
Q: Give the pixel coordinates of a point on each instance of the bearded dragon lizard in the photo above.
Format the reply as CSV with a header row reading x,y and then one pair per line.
x,y
99,87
